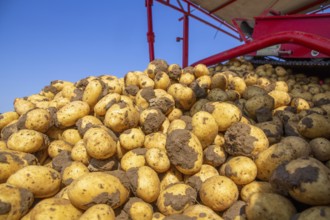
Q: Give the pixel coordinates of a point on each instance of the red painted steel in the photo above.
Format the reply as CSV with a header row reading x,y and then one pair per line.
x,y
150,33
185,43
309,40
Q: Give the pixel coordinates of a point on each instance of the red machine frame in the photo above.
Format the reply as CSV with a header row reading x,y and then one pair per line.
x,y
288,35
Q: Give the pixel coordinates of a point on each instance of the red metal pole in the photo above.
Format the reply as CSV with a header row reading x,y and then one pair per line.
x,y
312,41
150,33
185,43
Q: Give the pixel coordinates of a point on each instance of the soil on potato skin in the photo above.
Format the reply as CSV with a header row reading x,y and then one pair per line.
x,y
26,200
148,93
153,122
132,90
4,208
180,217
61,161
195,182
178,202
178,149
237,209
133,176
103,165
112,199
164,104
212,157
121,175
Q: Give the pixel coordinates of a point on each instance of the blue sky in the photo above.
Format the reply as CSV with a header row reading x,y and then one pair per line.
x,y
46,40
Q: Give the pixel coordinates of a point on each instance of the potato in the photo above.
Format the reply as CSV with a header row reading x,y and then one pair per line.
x,y
36,119
201,212
157,159
3,145
218,193
72,172
12,161
255,187
178,124
214,155
6,118
55,147
314,125
300,104
99,143
320,148
198,178
14,202
162,80
54,208
121,116
113,84
137,209
281,98
133,158
28,141
93,92
156,139
184,151
42,181
272,129
132,138
174,114
170,177
225,114
240,169
237,84
187,78
259,104
69,114
245,140
201,70
219,80
71,136
306,179
267,205
22,105
98,212
183,95
236,211
315,212
86,122
97,188
145,183
176,198
105,103
205,127
252,91
79,152
54,133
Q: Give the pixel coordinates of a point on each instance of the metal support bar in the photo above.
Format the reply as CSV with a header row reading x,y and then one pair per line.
x,y
150,33
312,41
185,43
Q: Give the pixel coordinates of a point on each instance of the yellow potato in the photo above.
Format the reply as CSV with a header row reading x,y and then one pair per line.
x,y
7,117
98,212
69,114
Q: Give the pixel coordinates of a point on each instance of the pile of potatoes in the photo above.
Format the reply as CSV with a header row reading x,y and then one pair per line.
x,y
231,141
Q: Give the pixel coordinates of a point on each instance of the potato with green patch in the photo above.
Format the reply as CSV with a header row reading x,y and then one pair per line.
x,y
145,183
184,151
176,198
97,188
42,181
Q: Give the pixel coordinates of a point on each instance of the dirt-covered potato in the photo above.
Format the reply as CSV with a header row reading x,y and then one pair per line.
x,y
73,171
133,158
97,188
7,117
42,181
183,95
225,114
198,178
157,159
219,80
205,127
14,202
214,155
300,104
314,125
37,119
145,183
113,84
12,161
132,138
121,116
306,179
86,122
184,151
201,212
100,143
255,187
218,193
137,209
79,152
320,148
259,104
261,206
98,212
245,140
240,169
272,129
151,120
69,114
176,198
28,141
315,212
55,147
54,208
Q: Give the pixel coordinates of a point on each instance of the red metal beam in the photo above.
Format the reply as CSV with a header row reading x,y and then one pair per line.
x,y
185,43
150,33
222,6
312,41
298,10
